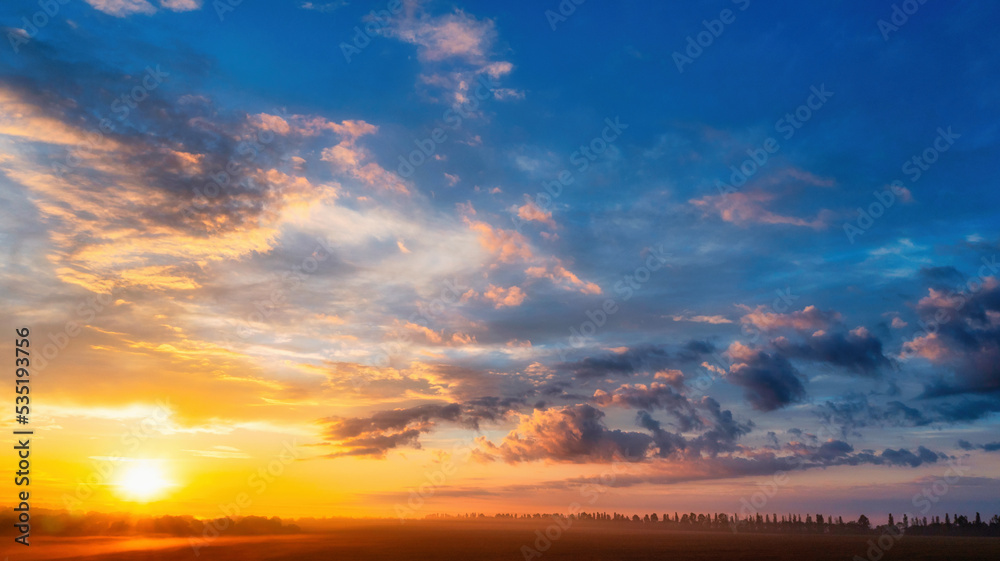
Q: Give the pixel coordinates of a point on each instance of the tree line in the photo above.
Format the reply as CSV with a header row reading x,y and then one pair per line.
x,y
952,525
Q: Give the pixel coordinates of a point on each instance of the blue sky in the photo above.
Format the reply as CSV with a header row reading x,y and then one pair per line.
x,y
382,312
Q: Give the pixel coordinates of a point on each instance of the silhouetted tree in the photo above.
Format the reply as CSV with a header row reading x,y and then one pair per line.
x,y
864,522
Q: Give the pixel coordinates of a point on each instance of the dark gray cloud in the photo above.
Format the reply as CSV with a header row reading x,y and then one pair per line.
x,y
644,358
385,430
962,332
858,351
769,380
988,447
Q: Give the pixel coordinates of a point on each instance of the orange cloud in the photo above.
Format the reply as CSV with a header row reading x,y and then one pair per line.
x,y
504,297
529,211
507,245
560,275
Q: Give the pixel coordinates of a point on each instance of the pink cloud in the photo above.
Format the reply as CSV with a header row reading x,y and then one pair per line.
x,y
809,318
743,208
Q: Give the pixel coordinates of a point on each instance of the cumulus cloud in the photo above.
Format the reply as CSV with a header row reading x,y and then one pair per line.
x,y
858,350
573,433
962,334
504,297
651,397
769,381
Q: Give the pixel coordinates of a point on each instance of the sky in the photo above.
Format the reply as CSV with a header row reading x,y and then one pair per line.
x,y
410,257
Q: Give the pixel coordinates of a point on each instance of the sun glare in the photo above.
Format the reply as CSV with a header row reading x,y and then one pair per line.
x,y
142,481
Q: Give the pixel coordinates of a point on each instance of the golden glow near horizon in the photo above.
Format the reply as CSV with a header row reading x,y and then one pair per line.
x,y
142,481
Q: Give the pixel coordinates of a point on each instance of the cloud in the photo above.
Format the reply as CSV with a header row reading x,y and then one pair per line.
x,y
375,435
574,433
642,358
809,318
591,367
181,5
504,297
325,7
350,158
529,212
642,396
858,350
769,380
561,276
456,35
714,320
744,208
136,207
385,430
855,411
123,8
962,334
507,245
903,457
988,447
454,49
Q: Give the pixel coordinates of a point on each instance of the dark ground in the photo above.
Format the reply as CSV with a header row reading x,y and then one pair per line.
x,y
477,541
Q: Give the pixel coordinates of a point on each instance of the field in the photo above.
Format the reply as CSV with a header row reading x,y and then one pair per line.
x,y
474,541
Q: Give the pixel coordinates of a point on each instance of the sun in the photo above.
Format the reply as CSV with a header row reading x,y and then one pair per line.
x,y
143,481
